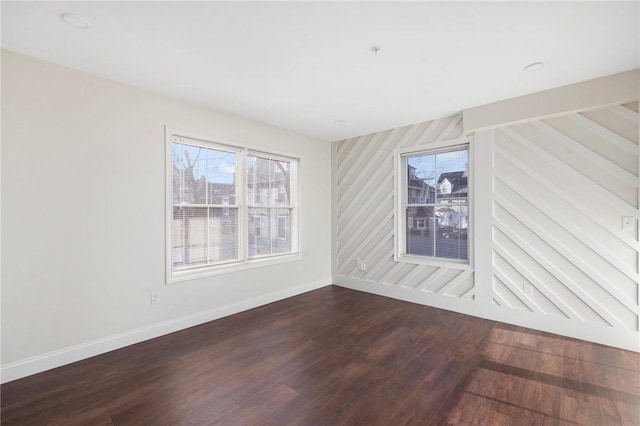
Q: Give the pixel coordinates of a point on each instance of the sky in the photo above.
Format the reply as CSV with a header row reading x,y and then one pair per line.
x,y
430,166
215,166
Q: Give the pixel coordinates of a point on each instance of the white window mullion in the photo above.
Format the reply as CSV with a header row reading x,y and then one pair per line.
x,y
270,202
208,240
435,207
243,211
402,205
272,221
293,205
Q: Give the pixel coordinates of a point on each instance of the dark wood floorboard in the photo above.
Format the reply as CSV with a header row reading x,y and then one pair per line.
x,y
339,357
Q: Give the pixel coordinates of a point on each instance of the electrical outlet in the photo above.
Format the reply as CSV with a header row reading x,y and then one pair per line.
x,y
528,289
363,266
155,297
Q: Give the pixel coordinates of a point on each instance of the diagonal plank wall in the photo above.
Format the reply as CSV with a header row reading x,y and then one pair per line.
x,y
560,188
550,253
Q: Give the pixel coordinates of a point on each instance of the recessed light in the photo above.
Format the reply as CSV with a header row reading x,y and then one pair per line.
x,y
536,66
339,122
75,21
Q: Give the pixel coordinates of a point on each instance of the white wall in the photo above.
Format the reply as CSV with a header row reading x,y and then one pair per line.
x,y
83,175
553,173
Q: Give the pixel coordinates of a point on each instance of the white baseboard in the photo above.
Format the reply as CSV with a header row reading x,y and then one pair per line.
x,y
18,369
596,333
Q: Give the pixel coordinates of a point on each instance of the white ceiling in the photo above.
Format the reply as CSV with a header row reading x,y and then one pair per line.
x,y
302,66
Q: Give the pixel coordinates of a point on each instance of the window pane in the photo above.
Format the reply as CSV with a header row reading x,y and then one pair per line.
x,y
259,232
451,172
420,231
269,231
282,242
223,234
437,176
421,179
258,178
451,230
203,235
189,233
280,182
203,175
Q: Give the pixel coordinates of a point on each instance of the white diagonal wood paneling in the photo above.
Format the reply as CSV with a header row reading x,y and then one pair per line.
x,y
553,235
530,277
561,186
561,166
593,159
607,134
548,196
365,210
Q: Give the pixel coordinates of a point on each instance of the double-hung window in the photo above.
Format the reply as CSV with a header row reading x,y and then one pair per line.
x,y
227,206
432,217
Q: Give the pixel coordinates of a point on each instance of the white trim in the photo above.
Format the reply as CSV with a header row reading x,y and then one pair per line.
x,y
295,227
399,221
482,170
227,268
242,221
441,262
435,147
270,156
37,364
610,90
588,331
334,210
168,206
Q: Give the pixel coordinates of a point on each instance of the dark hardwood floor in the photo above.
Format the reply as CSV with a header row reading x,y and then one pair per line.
x,y
336,356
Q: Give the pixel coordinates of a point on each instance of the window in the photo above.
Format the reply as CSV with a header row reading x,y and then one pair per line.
x,y
227,206
433,204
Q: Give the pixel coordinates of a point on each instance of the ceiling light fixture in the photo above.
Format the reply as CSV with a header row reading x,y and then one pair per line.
x,y
536,66
75,21
339,122
374,49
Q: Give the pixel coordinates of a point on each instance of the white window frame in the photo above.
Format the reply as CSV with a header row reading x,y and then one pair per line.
x,y
243,262
401,194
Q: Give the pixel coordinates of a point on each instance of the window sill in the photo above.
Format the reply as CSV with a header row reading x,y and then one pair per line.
x,y
436,262
228,268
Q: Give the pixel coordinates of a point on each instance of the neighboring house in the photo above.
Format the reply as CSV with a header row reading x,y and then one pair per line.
x,y
452,184
189,190
269,227
420,192
265,186
452,191
221,193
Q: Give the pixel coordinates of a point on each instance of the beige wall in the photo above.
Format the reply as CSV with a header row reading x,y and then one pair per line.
x,y
83,227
